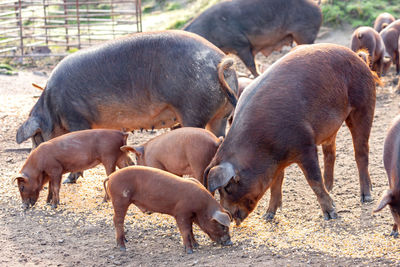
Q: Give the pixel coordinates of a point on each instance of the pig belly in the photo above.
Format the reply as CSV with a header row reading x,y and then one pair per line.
x,y
129,119
80,165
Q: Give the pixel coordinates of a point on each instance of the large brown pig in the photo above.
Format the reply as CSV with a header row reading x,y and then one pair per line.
x,y
182,151
154,190
71,152
145,80
390,36
369,39
282,117
246,27
391,159
382,21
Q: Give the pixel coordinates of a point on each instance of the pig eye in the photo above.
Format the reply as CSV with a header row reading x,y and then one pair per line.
x,y
22,188
228,189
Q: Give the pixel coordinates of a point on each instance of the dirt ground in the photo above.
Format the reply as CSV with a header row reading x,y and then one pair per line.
x,y
80,231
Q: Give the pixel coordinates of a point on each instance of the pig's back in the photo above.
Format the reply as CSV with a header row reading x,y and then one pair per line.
x,y
157,190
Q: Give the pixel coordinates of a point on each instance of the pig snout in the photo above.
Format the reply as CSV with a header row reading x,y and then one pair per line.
x,y
28,203
225,240
239,216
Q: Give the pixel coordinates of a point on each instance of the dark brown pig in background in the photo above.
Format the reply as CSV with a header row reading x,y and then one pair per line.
x,y
391,161
71,152
390,36
369,39
246,27
282,117
382,21
184,151
154,190
145,80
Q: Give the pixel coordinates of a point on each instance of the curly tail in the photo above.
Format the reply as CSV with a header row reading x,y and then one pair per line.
x,y
225,64
364,55
106,196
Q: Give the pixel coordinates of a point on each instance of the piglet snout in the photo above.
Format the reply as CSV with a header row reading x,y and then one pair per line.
x,y
226,240
25,206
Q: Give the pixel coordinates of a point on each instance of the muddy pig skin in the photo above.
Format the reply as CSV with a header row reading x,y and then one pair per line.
x,y
390,36
369,39
154,190
145,80
283,116
382,21
391,159
71,152
246,27
184,151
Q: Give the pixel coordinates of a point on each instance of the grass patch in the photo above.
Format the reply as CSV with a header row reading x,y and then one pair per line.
x,y
357,12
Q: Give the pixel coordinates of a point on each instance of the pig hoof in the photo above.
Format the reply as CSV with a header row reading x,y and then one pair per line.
x,y
366,198
330,215
53,206
123,249
69,181
269,216
395,234
189,251
227,243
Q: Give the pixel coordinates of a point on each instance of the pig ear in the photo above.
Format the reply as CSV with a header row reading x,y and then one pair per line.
x,y
385,199
221,217
22,177
137,150
219,176
28,129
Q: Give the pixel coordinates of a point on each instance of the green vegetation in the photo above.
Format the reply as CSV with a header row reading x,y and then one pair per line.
x,y
6,69
357,12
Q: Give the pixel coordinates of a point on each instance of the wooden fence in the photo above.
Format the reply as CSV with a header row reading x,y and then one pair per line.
x,y
38,28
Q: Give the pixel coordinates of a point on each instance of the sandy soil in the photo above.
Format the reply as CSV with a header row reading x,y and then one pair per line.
x,y
80,231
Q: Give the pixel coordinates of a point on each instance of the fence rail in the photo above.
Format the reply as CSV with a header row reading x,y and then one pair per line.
x,y
34,28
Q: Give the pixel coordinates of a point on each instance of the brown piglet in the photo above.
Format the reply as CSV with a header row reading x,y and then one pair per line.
x,y
391,157
184,151
76,151
369,39
154,190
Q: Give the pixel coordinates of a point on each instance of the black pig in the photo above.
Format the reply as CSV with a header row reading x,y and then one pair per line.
x,y
246,27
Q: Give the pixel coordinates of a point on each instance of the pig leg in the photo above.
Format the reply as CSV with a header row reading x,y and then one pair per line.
x,y
193,240
395,232
185,227
217,126
120,210
56,183
246,55
50,194
310,166
359,123
72,177
329,151
276,196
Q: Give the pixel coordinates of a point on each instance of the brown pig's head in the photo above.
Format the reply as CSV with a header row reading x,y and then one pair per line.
x,y
216,225
29,189
238,195
138,151
393,200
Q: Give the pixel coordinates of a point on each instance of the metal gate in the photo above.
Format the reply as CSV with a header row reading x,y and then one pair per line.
x,y
37,28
